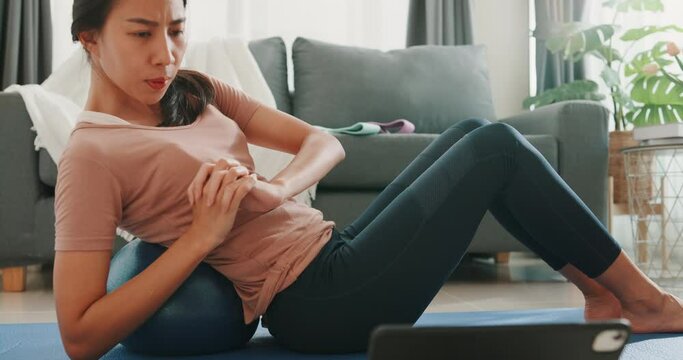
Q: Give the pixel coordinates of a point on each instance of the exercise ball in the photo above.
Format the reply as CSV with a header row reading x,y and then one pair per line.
x,y
204,315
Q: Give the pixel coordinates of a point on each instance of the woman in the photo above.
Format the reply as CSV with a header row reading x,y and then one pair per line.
x,y
177,172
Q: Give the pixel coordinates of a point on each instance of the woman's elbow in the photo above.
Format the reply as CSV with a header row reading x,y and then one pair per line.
x,y
78,350
340,147
75,351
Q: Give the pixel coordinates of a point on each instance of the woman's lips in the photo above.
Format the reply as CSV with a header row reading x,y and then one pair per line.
x,y
156,84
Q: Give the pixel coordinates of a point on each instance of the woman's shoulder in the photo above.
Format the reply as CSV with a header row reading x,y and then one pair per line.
x,y
84,147
83,143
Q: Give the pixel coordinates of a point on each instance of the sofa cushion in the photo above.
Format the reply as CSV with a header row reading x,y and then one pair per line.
x,y
372,162
271,57
433,86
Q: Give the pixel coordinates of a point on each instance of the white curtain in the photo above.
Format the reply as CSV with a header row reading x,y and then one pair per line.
x,y
379,24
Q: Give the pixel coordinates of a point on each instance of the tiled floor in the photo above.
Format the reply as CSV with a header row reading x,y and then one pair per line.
x,y
477,284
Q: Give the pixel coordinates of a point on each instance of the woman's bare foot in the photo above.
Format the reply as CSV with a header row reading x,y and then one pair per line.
x,y
602,307
650,316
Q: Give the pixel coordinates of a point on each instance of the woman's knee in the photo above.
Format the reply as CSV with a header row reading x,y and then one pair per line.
x,y
499,132
470,124
495,137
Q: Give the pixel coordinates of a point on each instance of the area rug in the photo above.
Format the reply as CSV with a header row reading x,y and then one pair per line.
x,y
42,341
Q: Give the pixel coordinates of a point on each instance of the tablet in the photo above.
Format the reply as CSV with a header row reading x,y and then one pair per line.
x,y
592,340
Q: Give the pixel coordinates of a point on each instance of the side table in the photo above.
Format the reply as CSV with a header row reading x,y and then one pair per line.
x,y
654,178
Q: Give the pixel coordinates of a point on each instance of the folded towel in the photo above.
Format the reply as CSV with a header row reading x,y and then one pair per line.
x,y
372,128
401,125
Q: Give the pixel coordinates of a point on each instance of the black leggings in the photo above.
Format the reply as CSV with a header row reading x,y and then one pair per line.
x,y
387,266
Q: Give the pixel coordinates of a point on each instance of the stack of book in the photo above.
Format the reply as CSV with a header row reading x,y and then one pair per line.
x,y
665,134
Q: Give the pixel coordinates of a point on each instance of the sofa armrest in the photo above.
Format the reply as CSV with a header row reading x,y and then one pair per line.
x,y
19,180
580,127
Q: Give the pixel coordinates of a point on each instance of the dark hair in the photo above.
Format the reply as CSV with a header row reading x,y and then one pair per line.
x,y
188,94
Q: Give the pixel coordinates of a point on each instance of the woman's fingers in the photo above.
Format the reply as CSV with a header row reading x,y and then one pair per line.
x,y
233,193
221,164
227,163
217,178
242,191
198,183
194,191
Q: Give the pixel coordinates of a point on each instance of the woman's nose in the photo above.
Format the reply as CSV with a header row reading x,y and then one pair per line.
x,y
164,51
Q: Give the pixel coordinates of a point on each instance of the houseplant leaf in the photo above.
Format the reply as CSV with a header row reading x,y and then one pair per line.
x,y
575,43
560,34
607,54
622,98
576,90
654,55
657,90
638,5
639,33
610,76
653,114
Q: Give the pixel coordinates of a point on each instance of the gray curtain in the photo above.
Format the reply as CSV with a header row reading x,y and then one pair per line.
x,y
25,41
551,69
439,22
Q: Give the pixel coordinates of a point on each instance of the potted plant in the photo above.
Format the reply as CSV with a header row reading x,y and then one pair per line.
x,y
639,95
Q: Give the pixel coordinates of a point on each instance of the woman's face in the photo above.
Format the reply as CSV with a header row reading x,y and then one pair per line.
x,y
141,41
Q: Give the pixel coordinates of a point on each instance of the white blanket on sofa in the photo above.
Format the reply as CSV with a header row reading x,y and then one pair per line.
x,y
54,104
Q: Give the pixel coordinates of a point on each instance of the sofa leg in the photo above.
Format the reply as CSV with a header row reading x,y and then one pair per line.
x,y
503,258
14,279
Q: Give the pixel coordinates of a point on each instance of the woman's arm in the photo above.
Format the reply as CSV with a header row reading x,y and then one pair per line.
x,y
316,152
319,153
92,322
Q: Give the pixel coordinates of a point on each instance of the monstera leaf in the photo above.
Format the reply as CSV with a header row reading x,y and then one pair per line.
x,y
575,43
639,33
607,54
638,5
576,90
662,99
655,55
657,90
654,115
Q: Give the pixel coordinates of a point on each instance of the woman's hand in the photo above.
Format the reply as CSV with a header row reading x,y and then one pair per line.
x,y
215,206
263,197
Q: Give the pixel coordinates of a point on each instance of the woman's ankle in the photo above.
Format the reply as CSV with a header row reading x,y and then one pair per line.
x,y
629,284
599,294
590,288
651,303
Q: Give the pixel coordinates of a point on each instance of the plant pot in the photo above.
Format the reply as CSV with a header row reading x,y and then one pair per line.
x,y
617,141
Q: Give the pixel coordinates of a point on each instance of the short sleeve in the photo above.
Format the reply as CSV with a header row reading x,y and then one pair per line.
x,y
88,205
234,103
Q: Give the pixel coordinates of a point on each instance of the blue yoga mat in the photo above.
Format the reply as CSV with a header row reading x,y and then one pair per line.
x,y
41,340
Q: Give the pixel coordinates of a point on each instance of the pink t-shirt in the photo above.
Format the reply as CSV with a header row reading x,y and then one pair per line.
x,y
118,174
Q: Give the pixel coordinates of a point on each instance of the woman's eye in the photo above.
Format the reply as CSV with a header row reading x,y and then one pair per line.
x,y
145,34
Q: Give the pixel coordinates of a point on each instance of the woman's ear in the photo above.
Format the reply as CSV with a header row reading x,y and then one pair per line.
x,y
89,42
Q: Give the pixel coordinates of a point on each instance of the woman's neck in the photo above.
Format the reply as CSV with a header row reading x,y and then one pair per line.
x,y
118,104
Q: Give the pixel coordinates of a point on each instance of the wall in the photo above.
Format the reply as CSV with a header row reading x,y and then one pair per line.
x,y
503,26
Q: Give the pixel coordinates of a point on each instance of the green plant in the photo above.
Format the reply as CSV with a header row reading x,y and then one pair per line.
x,y
640,95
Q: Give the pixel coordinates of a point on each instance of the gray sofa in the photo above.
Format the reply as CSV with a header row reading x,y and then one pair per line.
x,y
337,86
